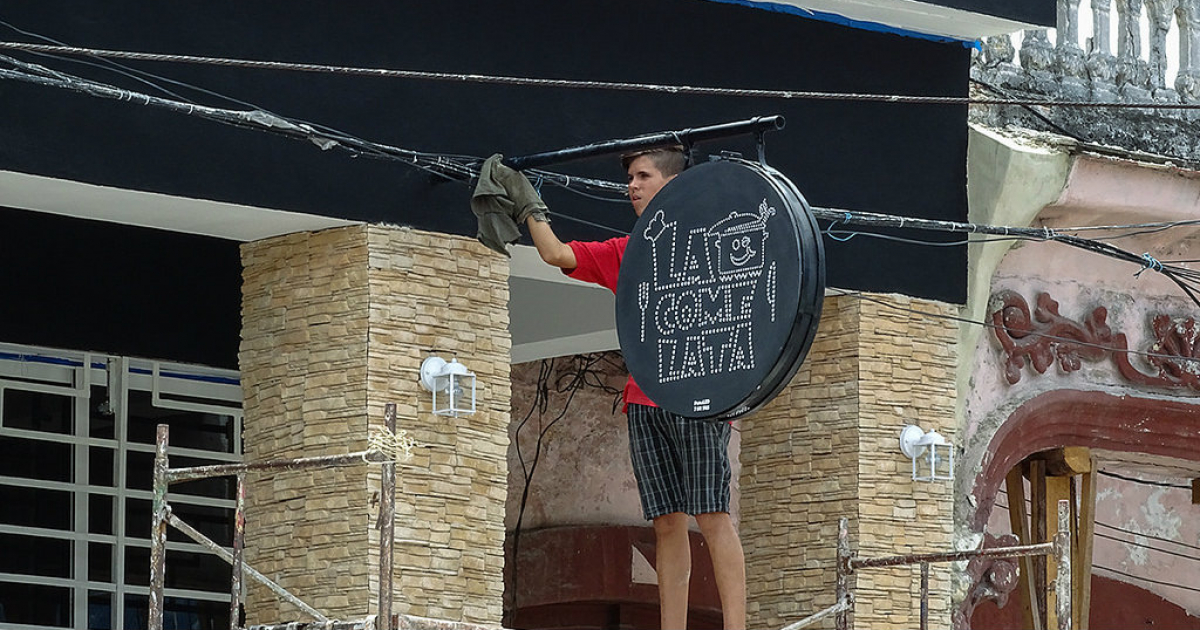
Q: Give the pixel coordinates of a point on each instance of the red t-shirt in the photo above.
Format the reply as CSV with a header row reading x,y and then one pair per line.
x,y
599,262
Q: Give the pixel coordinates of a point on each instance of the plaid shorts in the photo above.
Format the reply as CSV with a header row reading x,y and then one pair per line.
x,y
681,464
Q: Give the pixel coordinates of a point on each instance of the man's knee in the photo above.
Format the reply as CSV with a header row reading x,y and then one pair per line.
x,y
715,524
672,524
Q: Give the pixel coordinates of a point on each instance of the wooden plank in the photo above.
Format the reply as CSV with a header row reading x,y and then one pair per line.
x,y
1087,530
1018,520
1037,522
1073,525
1068,460
1057,489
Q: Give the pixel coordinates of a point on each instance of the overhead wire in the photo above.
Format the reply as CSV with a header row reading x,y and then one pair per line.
x,y
1131,532
465,168
572,83
1142,578
845,235
1029,107
1187,280
355,143
459,167
454,168
1134,543
1031,333
1146,579
581,375
1144,481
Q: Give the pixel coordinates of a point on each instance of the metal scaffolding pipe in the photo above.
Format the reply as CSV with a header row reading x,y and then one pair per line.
x,y
387,527
924,596
239,544
953,556
159,513
207,543
845,616
1062,553
179,475
817,616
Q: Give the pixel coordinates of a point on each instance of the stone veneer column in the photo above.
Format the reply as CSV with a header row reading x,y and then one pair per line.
x,y
335,325
828,448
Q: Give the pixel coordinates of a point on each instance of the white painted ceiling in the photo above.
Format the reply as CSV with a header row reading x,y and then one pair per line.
x,y
550,314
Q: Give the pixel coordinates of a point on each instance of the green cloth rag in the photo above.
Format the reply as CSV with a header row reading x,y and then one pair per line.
x,y
502,200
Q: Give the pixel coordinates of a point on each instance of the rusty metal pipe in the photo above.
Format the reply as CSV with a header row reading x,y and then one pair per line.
x,y
817,616
1040,549
159,513
844,618
387,528
1062,553
924,596
239,544
221,553
179,475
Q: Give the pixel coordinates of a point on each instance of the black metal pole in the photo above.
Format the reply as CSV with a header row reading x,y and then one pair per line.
x,y
686,137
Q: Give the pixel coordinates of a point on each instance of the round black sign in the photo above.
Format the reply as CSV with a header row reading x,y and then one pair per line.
x,y
720,290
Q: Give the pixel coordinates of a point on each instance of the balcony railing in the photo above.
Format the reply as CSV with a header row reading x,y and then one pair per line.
x,y
1156,60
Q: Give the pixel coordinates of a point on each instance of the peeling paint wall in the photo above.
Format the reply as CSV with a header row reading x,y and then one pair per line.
x,y
1146,535
1097,191
583,475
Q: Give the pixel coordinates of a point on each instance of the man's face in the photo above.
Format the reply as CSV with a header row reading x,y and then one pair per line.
x,y
645,180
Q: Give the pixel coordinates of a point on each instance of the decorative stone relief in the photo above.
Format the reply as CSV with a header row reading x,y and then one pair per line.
x,y
1042,337
992,579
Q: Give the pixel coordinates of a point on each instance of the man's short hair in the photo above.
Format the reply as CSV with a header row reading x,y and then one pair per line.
x,y
670,161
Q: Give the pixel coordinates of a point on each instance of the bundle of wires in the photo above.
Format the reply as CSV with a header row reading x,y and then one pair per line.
x,y
465,168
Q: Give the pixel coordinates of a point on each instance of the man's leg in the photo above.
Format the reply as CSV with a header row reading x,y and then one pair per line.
x,y
673,563
729,566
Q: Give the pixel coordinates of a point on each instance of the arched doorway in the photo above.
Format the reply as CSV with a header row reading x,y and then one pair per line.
x,y
1152,436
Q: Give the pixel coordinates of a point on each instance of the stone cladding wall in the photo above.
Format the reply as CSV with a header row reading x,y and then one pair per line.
x,y
828,448
335,325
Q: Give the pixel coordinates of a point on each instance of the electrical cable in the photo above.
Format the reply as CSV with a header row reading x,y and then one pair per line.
x,y
1146,579
1180,276
1138,577
844,235
601,226
581,376
1032,333
573,84
1144,481
132,72
464,170
105,64
1150,536
1141,545
451,168
1040,116
1132,226
1125,531
1145,546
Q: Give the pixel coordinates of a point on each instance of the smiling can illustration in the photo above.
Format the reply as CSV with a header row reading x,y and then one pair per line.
x,y
720,289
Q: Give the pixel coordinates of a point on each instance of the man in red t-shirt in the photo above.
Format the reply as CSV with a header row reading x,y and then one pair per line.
x,y
681,465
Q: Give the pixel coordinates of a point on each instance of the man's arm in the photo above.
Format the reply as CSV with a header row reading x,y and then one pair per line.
x,y
550,248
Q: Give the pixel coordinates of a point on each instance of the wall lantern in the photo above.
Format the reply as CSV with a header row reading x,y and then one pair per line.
x,y
932,456
452,385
